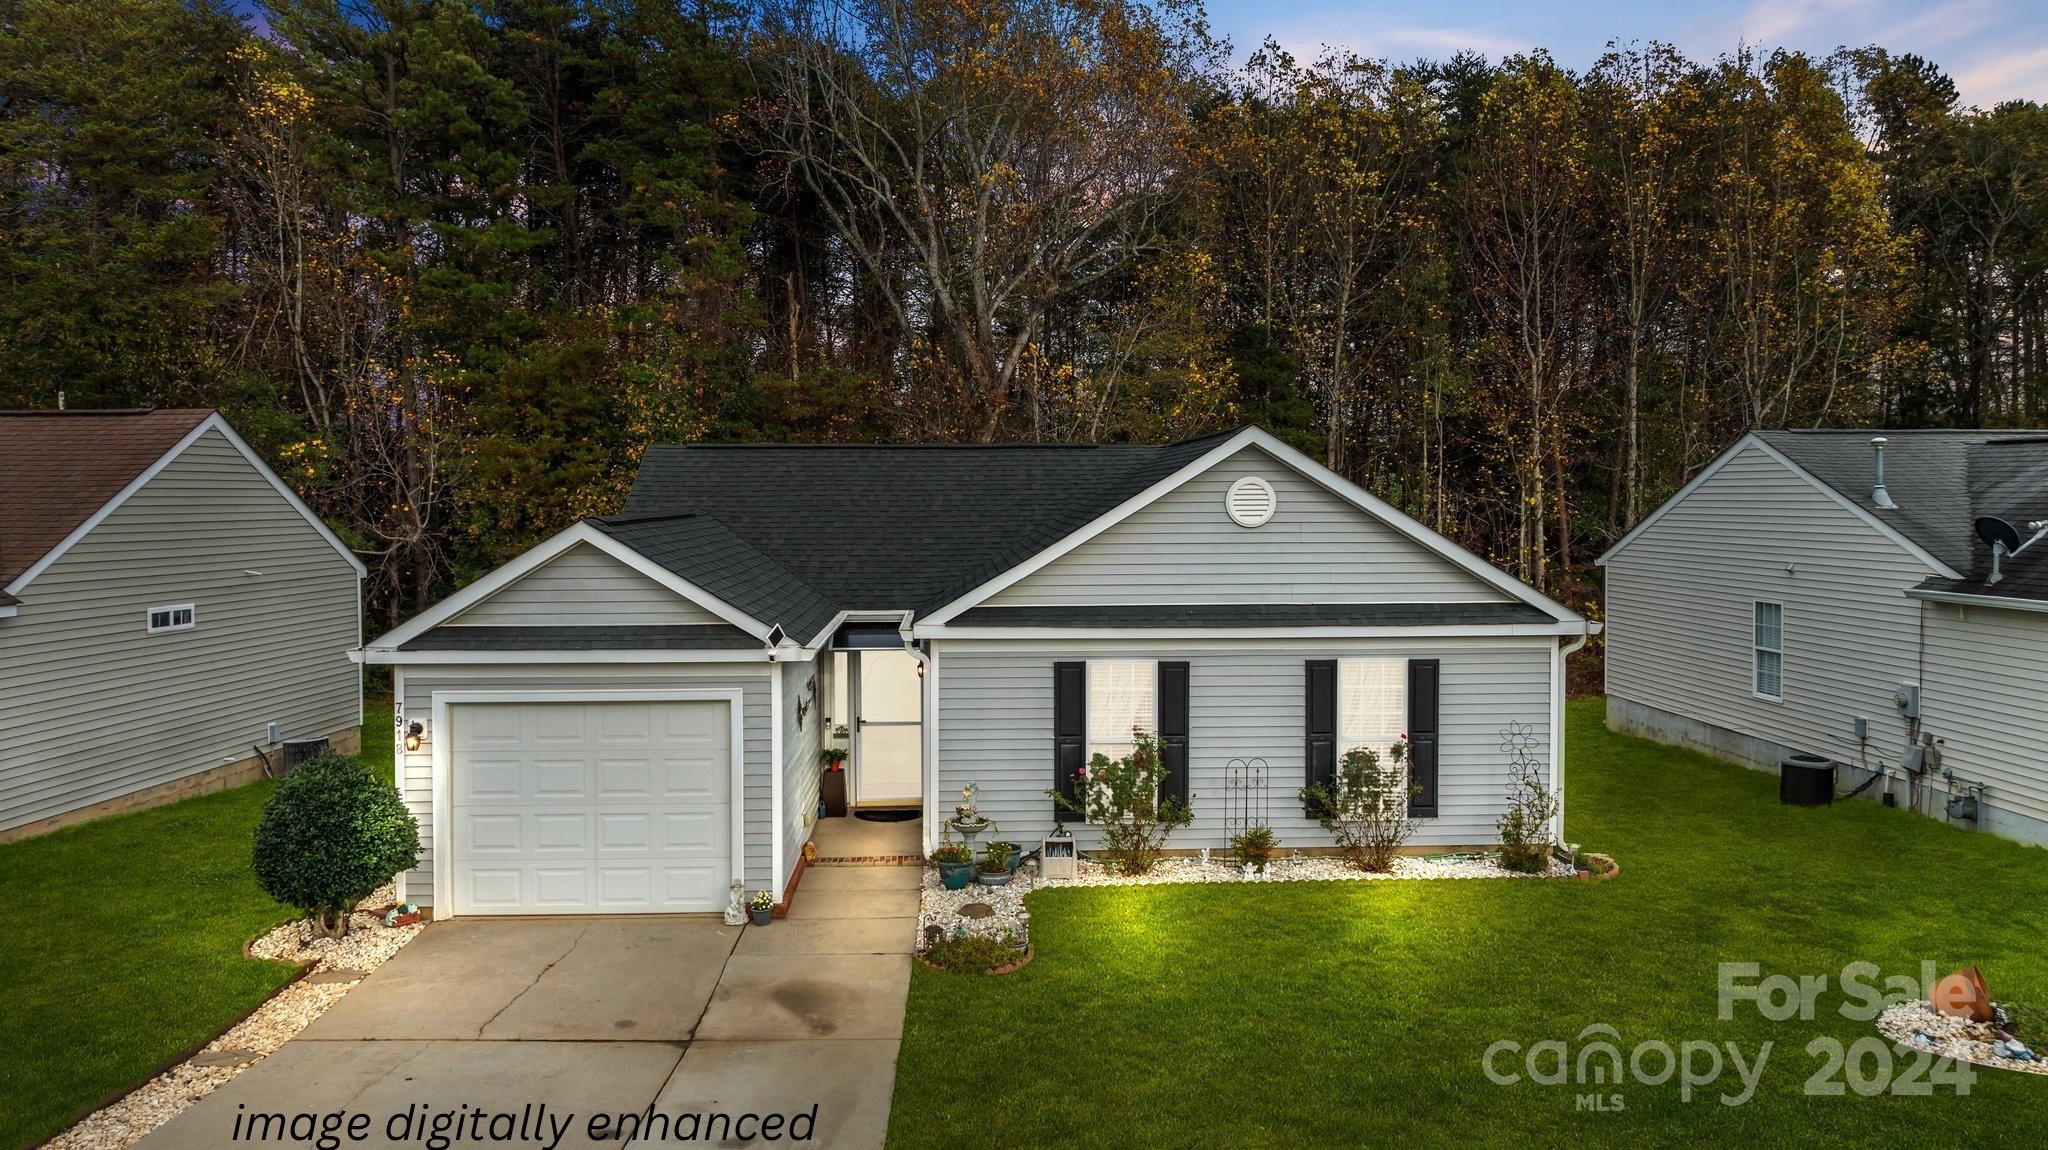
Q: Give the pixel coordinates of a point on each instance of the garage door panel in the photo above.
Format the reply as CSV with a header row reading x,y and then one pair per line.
x,y
622,778
618,807
493,888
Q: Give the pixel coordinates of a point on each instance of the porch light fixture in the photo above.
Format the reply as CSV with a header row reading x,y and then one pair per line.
x,y
920,668
412,736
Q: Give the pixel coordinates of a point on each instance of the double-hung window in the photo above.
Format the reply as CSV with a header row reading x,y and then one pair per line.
x,y
1767,648
1123,698
1372,705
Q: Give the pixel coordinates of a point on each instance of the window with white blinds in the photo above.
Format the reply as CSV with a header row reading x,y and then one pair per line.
x,y
1123,697
1372,705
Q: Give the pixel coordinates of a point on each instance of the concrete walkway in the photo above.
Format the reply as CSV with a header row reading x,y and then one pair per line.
x,y
609,1015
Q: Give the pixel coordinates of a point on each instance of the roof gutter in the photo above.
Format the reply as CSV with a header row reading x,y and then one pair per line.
x,y
1965,599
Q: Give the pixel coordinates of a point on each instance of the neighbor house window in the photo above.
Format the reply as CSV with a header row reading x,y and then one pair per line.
x,y
1123,698
1372,705
173,618
1769,646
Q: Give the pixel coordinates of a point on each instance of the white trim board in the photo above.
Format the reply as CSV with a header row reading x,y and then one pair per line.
x,y
1752,439
383,658
1965,599
1460,631
213,422
442,745
536,557
1336,484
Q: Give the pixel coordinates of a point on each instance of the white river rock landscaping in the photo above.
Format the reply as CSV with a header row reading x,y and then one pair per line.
x,y
941,907
368,944
1918,1026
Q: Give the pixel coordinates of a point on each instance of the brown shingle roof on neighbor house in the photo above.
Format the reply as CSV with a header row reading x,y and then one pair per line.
x,y
59,467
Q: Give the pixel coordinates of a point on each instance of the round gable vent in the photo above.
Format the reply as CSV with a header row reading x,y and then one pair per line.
x,y
1250,501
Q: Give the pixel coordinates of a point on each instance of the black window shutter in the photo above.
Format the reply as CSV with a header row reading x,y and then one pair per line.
x,y
1422,736
1069,734
1173,730
1321,750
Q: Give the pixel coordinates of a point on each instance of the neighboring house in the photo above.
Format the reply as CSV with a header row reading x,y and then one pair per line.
x,y
164,601
1782,603
627,717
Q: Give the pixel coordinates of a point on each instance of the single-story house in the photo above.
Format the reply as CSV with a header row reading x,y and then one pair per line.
x,y
1833,593
628,716
169,613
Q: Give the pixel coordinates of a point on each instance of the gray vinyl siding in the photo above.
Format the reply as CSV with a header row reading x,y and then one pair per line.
x,y
1680,601
1246,698
1184,548
1986,679
96,707
584,587
800,743
417,706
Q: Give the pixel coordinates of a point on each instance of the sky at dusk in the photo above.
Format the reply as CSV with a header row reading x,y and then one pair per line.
x,y
1994,49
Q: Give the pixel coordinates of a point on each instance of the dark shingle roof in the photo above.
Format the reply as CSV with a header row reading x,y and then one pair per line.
x,y
1258,615
809,530
57,468
714,637
1942,481
701,549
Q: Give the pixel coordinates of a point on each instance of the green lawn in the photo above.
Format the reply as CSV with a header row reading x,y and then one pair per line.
x,y
121,946
1358,1014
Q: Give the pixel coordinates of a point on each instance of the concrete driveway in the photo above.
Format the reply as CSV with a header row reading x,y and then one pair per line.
x,y
523,1032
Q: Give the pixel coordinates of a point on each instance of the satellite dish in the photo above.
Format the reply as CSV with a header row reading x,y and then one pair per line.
x,y
1994,531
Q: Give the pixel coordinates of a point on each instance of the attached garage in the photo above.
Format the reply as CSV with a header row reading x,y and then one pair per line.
x,y
594,802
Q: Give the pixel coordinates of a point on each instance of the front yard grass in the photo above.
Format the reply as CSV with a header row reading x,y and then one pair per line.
x,y
1345,1014
121,946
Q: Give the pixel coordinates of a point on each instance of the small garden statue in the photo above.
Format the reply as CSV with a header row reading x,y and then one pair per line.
x,y
735,909
967,819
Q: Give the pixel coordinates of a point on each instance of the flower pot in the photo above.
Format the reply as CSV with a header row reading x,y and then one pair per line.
x,y
1016,855
999,878
955,876
761,915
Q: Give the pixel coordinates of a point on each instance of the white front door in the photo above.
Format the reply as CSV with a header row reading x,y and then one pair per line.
x,y
597,808
888,728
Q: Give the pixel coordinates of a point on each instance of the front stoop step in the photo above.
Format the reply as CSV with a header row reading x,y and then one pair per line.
x,y
870,860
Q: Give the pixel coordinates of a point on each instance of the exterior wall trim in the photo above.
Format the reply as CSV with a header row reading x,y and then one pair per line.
x,y
443,852
598,655
212,422
1964,599
1499,630
1753,440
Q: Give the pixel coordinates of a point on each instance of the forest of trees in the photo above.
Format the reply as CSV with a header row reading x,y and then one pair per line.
x,y
452,264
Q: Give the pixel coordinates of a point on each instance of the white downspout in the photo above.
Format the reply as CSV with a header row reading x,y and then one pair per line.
x,y
927,690
1557,682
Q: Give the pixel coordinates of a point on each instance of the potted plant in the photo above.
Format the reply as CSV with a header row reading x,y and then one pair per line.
x,y
995,865
761,908
955,862
1015,852
832,758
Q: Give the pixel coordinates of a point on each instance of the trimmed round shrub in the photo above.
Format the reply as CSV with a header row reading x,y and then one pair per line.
x,y
330,836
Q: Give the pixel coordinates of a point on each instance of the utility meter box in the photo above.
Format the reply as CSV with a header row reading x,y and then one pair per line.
x,y
1906,697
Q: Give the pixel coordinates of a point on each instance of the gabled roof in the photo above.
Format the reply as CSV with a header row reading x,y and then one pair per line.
x,y
1926,473
908,527
1941,482
57,468
61,472
799,537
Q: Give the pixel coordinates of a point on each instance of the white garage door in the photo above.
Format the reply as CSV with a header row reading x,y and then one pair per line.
x,y
599,808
